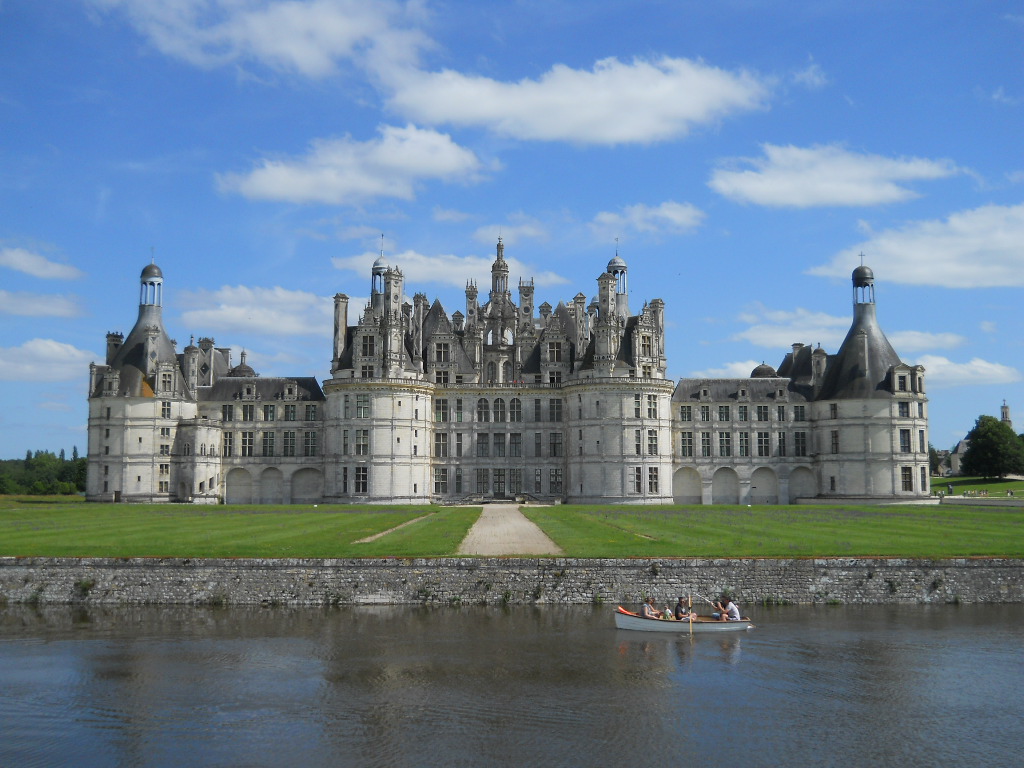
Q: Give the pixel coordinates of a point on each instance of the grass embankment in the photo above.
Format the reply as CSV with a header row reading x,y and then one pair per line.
x,y
783,532
974,486
59,527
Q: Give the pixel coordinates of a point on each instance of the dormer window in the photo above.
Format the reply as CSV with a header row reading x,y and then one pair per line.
x,y
901,383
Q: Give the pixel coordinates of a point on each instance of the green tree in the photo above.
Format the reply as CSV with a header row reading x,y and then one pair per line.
x,y
933,459
993,450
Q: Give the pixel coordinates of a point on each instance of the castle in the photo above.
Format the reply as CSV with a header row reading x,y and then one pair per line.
x,y
566,404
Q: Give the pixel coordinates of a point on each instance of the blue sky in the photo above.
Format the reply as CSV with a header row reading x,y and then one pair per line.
x,y
739,154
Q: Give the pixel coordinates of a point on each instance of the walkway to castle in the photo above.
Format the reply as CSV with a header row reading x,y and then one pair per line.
x,y
503,530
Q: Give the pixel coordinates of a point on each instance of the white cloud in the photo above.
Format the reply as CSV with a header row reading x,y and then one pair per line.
x,y
442,214
988,326
826,175
22,260
737,370
912,341
780,329
447,269
978,248
613,103
812,77
670,216
44,360
941,371
520,228
344,171
266,311
306,38
37,304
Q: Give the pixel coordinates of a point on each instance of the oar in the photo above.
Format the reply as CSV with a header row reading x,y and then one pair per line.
x,y
689,604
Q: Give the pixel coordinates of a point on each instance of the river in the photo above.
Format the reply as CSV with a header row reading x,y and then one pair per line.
x,y
475,686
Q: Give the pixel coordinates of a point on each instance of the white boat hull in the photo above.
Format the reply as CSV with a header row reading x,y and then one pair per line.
x,y
626,620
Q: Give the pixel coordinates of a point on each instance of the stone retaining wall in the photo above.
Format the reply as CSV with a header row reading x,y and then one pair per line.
x,y
504,580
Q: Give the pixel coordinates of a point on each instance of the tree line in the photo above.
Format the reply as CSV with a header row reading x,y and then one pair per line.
x,y
43,473
993,450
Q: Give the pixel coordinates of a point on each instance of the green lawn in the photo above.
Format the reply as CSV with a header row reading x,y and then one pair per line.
x,y
57,527
785,531
35,526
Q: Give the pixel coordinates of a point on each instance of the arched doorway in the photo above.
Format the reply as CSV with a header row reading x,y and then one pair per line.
x,y
764,487
686,486
238,487
271,486
307,486
725,487
802,485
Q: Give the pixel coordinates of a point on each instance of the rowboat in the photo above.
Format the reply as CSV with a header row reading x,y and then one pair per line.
x,y
628,620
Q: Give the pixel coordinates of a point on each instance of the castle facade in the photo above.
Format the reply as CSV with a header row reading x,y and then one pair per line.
x,y
505,400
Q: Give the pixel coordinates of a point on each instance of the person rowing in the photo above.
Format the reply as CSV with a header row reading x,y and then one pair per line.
x,y
727,610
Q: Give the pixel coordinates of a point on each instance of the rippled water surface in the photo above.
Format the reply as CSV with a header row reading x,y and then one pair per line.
x,y
471,686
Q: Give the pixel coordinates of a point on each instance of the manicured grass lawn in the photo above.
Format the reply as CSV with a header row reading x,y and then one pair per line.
x,y
976,485
787,531
37,526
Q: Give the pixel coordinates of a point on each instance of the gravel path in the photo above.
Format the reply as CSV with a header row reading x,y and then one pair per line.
x,y
503,530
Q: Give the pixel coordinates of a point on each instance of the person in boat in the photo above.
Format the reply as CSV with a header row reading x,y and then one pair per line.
x,y
683,613
727,610
648,611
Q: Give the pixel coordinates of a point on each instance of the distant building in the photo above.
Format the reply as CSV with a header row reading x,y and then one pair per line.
x,y
506,400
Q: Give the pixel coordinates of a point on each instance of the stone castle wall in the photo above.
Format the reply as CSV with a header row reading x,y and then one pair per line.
x,y
139,581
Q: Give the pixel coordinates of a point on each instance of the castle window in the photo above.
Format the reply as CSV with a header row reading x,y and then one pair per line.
x,y
901,384
483,410
269,412
647,371
555,409
458,444
743,412
366,371
799,443
289,411
344,479
441,410
483,481
554,351
744,444
441,377
499,482
248,413
637,399
799,413
288,444
724,444
458,479
920,410
247,443
555,481
492,372
686,413
362,480
515,481
652,479
227,413
646,347
907,478
636,479
762,413
483,444
515,409
166,382
652,406
705,413
723,413
705,443
362,406
538,445
904,409
310,413
362,437
835,440
764,444
344,442
440,480
368,346
652,442
781,443
781,413
229,444
515,445
638,441
555,444
165,449
499,410
458,410
165,410
165,469
924,480
921,446
309,446
554,377
833,410
686,444
499,445
442,352
904,441
268,443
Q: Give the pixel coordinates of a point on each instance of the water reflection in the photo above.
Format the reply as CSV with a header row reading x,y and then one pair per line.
x,y
919,686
